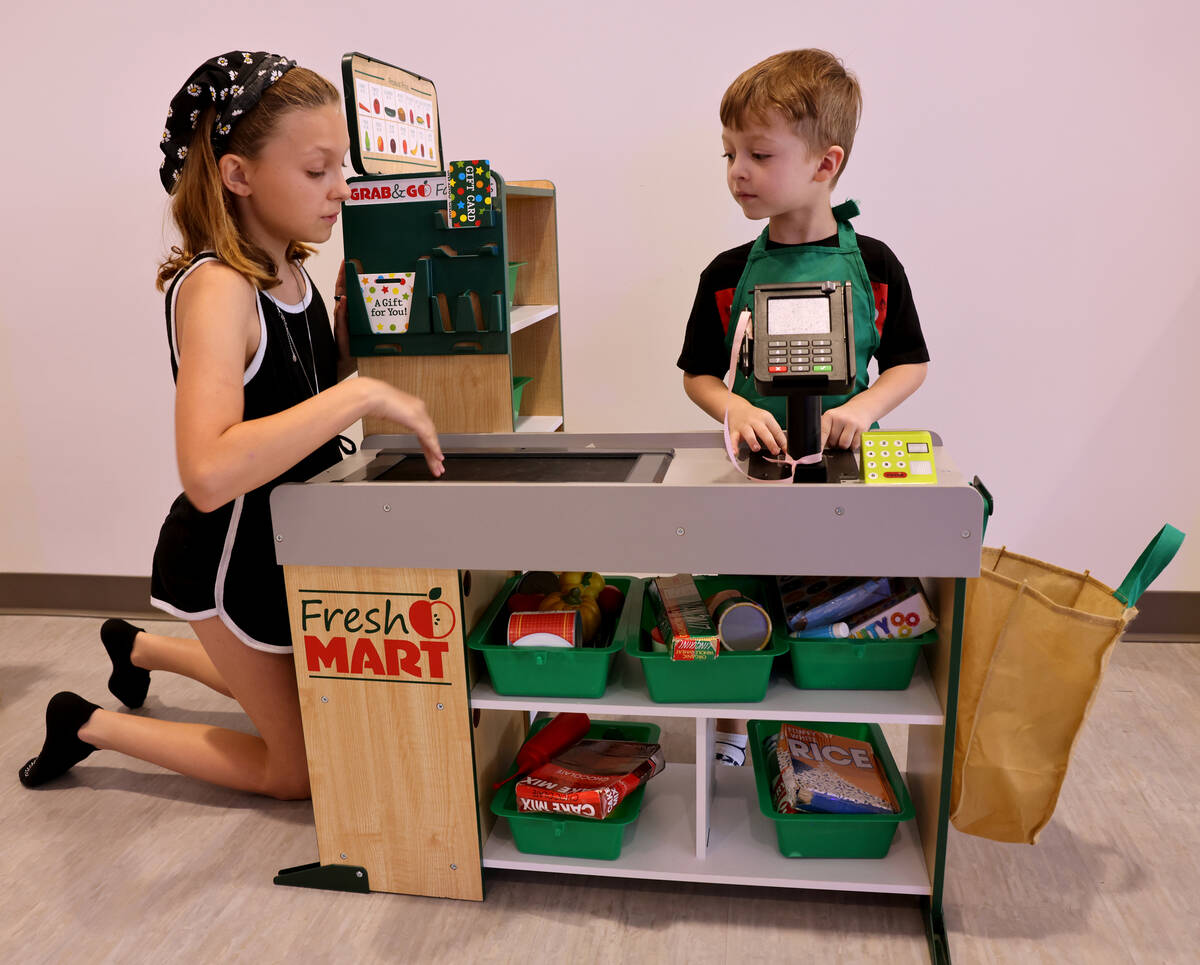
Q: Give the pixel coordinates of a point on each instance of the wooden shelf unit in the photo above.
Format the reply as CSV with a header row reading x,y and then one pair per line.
x,y
471,393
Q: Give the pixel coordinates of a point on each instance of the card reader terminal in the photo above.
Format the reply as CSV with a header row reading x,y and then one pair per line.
x,y
801,339
800,344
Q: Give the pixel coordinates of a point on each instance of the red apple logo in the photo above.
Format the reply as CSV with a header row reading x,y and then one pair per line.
x,y
432,618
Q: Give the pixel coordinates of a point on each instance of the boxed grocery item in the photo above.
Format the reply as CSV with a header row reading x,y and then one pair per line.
x,y
905,613
818,601
589,779
830,773
683,619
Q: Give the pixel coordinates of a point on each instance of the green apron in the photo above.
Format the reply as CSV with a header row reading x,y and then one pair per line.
x,y
808,263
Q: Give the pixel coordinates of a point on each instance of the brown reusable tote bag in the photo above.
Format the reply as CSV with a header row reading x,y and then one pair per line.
x,y
1036,639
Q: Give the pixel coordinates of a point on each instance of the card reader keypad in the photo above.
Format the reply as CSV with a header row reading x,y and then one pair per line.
x,y
799,355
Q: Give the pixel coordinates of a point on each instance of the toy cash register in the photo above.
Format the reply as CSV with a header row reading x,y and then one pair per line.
x,y
800,344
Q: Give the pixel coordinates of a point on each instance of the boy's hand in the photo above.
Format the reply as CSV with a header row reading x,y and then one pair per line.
x,y
755,427
842,427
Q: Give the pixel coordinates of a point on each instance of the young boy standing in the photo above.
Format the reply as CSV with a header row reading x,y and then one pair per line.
x,y
788,125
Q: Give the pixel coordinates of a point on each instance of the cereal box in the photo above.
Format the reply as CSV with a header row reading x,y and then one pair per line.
x,y
906,613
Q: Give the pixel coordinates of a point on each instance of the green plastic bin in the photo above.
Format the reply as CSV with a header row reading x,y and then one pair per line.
x,y
566,835
831,835
738,676
519,383
513,268
856,664
552,672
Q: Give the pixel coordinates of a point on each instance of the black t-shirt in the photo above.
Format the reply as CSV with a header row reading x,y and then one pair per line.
x,y
900,338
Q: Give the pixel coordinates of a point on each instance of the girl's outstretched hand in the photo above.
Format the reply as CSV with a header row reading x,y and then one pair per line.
x,y
410,412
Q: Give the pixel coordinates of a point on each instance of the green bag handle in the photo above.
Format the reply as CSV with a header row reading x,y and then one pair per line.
x,y
1154,560
988,503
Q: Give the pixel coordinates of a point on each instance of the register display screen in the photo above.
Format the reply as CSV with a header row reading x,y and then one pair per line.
x,y
798,316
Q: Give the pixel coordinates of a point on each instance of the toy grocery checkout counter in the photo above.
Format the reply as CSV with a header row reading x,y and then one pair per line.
x,y
388,571
394,578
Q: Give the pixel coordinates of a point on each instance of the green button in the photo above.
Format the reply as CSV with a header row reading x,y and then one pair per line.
x,y
822,368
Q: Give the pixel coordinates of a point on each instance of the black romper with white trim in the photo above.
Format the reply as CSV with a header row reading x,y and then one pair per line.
x,y
223,563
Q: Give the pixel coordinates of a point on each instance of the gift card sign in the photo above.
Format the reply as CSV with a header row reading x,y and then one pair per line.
x,y
388,300
469,204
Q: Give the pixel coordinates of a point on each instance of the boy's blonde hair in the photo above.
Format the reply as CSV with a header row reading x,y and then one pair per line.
x,y
810,88
203,210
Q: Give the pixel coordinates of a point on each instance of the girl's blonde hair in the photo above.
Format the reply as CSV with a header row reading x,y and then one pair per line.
x,y
203,209
810,88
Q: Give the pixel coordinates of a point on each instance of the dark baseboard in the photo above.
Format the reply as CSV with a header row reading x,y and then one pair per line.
x,y
71,594
1166,615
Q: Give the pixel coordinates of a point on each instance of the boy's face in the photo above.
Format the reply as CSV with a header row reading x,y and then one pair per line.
x,y
771,172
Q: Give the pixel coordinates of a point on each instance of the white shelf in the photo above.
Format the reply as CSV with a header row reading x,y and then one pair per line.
x,y
522,316
626,694
538,423
742,849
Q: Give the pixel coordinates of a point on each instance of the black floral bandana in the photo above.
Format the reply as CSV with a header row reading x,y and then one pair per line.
x,y
233,83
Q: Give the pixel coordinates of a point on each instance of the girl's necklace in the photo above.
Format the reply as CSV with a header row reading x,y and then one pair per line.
x,y
314,384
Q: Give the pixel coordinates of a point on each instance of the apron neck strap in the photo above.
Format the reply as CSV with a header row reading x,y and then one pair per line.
x,y
846,210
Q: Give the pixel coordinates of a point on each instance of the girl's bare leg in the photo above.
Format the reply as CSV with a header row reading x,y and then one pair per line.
x,y
152,651
264,684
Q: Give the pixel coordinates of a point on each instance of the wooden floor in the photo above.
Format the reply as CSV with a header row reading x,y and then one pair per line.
x,y
123,862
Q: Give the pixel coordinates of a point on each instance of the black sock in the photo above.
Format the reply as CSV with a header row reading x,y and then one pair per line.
x,y
127,682
65,714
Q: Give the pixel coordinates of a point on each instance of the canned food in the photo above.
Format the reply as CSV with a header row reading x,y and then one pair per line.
x,y
741,623
545,628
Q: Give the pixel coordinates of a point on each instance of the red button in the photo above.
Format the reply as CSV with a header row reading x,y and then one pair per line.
x,y
776,368
895,475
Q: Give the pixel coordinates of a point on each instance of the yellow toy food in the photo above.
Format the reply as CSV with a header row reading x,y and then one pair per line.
x,y
573,599
590,584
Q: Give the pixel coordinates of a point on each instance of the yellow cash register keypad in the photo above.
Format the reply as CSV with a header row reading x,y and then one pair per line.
x,y
897,457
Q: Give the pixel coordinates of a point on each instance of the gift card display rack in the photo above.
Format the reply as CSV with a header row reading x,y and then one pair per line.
x,y
451,271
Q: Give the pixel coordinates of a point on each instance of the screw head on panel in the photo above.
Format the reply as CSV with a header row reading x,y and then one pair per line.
x,y
679,531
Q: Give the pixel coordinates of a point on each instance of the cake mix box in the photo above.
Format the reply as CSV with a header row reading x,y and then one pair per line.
x,y
683,619
590,778
830,774
906,613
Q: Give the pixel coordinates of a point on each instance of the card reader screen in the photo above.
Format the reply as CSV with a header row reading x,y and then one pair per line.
x,y
798,316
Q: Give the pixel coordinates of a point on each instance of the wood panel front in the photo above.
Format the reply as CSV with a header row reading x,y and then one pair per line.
x,y
384,698
463,393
